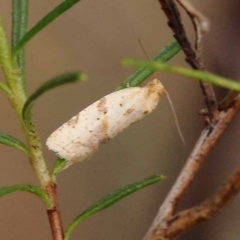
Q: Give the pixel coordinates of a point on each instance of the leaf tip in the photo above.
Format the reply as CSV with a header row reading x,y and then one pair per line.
x,y
127,62
82,76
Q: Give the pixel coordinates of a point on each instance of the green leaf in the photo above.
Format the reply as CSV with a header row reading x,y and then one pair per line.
x,y
19,29
9,140
57,167
5,88
196,74
141,74
110,199
52,83
27,188
56,12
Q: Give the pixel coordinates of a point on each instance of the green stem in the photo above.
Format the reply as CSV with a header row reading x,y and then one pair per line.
x,y
36,154
19,28
17,99
5,58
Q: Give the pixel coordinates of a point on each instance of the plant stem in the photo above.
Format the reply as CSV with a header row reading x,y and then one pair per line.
x,y
12,78
54,216
192,58
209,208
17,98
203,147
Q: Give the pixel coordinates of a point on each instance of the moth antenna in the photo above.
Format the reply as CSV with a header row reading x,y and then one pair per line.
x,y
143,49
175,117
168,97
145,53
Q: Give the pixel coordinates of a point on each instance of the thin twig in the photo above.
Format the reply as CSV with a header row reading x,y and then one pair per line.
x,y
193,59
201,25
228,100
208,209
204,145
54,215
202,21
198,30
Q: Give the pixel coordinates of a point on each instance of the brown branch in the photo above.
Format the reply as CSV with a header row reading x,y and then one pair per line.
x,y
54,215
228,100
201,20
206,210
200,23
204,145
165,225
193,59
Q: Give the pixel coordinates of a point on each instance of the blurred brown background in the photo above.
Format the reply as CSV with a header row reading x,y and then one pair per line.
x,y
94,36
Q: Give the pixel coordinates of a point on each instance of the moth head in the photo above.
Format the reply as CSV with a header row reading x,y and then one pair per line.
x,y
155,86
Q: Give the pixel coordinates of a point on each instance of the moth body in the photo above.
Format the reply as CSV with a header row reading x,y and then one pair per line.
x,y
77,139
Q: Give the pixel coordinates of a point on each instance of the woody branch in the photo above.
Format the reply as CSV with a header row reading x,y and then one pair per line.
x,y
166,225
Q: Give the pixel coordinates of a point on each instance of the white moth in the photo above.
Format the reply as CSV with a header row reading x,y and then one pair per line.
x,y
77,139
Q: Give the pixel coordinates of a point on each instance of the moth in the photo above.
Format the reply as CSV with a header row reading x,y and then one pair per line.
x,y
77,139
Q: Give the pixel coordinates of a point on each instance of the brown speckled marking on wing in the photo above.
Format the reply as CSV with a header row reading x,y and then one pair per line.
x,y
104,119
105,124
73,121
129,111
102,105
146,112
82,144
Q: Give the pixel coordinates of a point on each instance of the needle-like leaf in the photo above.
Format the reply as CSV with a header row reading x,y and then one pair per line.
x,y
141,74
27,188
9,140
186,72
110,199
56,12
52,83
57,167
